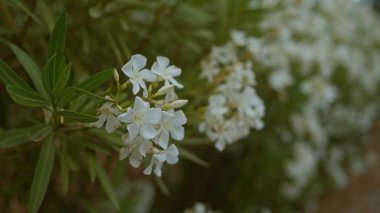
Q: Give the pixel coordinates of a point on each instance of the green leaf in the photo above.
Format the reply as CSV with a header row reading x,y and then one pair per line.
x,y
77,116
107,186
30,67
58,36
74,92
9,77
42,175
25,97
53,67
162,186
65,175
62,80
39,132
56,62
192,157
13,138
96,80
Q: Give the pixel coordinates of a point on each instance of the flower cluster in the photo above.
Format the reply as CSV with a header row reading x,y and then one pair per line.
x,y
322,63
151,121
234,107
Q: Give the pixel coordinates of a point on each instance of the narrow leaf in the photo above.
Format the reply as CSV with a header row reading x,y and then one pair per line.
x,y
13,138
52,69
96,80
65,175
107,186
192,157
74,92
76,116
58,36
62,80
25,97
9,77
39,132
30,67
162,186
42,175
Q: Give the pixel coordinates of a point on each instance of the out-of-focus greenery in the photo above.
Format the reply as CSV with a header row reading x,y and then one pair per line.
x,y
104,34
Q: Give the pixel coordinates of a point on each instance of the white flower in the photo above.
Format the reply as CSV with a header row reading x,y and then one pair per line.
x,y
239,37
108,115
137,150
167,73
280,79
217,105
247,101
137,76
171,124
169,155
141,119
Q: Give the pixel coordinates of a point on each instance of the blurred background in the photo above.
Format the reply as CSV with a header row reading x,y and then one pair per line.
x,y
265,172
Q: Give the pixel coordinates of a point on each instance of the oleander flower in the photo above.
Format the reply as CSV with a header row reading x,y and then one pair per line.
x,y
171,125
108,114
169,155
141,119
167,73
137,75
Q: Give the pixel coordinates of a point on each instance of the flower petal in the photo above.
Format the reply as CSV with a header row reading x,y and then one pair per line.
x,y
148,75
135,159
112,124
128,69
174,71
100,122
153,115
163,140
177,132
139,105
147,131
144,146
133,130
179,118
139,61
135,87
162,61
126,117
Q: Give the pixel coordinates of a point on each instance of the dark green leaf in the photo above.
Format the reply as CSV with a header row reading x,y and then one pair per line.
x,y
31,68
58,36
42,175
39,132
25,97
162,186
65,175
9,77
53,68
74,92
76,116
96,80
13,137
106,184
62,80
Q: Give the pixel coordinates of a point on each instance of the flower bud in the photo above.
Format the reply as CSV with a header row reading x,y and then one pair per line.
x,y
178,103
165,89
116,76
